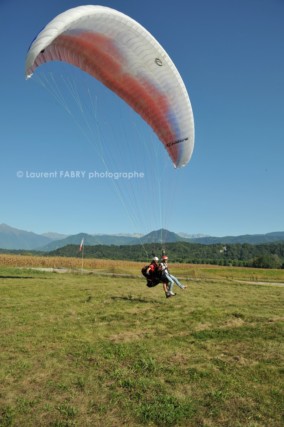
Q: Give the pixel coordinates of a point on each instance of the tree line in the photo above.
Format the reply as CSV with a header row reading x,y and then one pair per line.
x,y
245,255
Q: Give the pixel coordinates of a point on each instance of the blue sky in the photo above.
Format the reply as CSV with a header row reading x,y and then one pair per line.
x,y
230,56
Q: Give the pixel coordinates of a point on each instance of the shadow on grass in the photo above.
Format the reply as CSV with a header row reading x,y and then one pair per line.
x,y
136,299
17,277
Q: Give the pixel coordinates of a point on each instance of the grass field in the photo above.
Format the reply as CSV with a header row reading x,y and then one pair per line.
x,y
91,349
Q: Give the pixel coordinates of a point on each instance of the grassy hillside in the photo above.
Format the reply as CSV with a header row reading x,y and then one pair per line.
x,y
104,350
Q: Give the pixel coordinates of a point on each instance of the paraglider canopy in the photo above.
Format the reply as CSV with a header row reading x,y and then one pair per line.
x,y
126,58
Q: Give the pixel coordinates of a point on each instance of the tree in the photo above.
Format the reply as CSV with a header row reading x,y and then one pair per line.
x,y
267,261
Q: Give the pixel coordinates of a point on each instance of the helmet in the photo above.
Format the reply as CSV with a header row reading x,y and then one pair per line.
x,y
164,257
155,258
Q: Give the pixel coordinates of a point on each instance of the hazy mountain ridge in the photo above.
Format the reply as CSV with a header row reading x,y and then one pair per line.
x,y
14,239
252,239
54,236
89,240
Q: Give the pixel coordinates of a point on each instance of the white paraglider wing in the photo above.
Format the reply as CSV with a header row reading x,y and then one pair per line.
x,y
127,59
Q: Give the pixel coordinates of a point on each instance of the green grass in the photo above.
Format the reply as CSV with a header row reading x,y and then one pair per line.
x,y
90,350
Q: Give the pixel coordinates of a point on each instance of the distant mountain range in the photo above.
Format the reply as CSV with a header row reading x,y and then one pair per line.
x,y
15,239
12,238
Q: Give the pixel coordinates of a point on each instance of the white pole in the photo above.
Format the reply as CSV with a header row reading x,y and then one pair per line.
x,y
82,259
